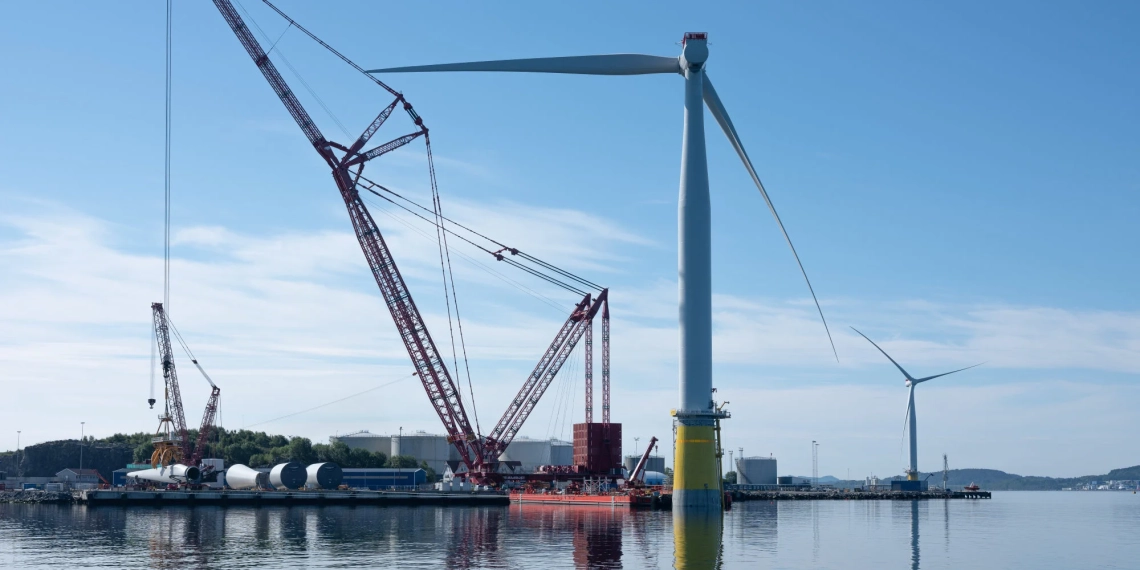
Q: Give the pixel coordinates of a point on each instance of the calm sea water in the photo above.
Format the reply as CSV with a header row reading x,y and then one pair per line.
x,y
1013,530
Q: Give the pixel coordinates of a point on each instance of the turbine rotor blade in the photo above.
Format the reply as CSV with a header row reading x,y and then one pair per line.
x,y
945,373
910,398
716,107
610,64
905,373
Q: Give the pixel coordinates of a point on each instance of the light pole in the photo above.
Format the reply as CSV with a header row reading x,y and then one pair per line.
x,y
732,465
81,432
18,453
399,466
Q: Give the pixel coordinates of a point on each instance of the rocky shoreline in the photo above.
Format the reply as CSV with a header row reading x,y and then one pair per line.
x,y
36,496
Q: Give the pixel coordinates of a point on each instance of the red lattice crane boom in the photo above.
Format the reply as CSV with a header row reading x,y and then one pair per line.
x,y
578,325
426,358
479,455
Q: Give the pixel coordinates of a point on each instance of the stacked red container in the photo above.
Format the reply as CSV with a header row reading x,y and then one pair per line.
x,y
597,447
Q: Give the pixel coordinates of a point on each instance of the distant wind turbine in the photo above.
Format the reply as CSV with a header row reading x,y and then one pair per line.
x,y
912,471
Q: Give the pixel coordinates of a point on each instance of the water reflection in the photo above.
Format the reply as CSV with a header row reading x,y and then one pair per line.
x,y
914,535
595,533
697,540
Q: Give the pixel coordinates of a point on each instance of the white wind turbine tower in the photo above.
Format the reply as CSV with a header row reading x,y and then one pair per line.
x,y
695,482
911,382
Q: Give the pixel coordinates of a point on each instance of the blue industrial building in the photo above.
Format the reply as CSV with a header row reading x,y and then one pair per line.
x,y
384,478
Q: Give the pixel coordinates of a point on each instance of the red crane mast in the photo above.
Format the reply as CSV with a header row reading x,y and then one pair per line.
x,y
479,455
426,358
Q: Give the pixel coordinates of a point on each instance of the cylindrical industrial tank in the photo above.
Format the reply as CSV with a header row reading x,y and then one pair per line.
x,y
435,449
323,476
291,475
242,477
561,452
530,453
756,471
654,478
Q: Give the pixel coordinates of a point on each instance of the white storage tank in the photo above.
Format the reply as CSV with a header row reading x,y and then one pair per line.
x,y
756,471
651,463
242,477
530,453
432,448
291,475
326,475
561,452
366,440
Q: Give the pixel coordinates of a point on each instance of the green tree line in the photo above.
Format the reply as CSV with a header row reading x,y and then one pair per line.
x,y
252,448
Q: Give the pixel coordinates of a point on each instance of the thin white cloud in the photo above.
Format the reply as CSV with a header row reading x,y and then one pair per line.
x,y
290,320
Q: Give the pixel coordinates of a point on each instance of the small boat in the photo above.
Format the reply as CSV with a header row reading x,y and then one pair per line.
x,y
971,487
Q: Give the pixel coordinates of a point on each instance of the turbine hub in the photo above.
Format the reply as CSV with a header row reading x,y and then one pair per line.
x,y
908,383
695,50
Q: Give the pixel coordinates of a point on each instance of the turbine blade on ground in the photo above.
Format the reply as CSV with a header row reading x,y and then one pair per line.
x,y
610,64
716,107
945,373
908,376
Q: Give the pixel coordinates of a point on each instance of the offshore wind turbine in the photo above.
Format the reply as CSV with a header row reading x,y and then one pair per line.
x,y
911,382
696,485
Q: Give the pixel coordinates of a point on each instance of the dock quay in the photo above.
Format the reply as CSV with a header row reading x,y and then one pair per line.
x,y
834,495
102,497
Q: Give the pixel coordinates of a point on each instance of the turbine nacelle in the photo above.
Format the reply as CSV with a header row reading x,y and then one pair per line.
x,y
695,50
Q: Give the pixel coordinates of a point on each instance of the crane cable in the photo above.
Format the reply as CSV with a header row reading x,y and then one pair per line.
x,y
337,401
186,349
371,187
166,232
490,271
501,245
449,275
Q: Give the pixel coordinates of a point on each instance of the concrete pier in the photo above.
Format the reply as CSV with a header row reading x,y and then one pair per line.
x,y
832,495
287,498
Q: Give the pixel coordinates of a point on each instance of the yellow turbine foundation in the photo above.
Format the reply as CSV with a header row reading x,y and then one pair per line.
x,y
696,485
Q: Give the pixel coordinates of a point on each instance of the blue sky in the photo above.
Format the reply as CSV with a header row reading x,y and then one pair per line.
x,y
960,182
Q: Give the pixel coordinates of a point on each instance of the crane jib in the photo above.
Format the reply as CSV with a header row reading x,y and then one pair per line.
x,y
478,454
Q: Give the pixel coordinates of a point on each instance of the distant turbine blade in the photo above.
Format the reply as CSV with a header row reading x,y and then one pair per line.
x,y
945,373
611,64
721,115
908,376
908,401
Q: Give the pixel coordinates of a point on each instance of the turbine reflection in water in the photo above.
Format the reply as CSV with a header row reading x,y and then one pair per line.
x,y
697,540
914,535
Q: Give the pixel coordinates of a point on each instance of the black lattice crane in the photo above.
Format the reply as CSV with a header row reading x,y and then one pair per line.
x,y
171,441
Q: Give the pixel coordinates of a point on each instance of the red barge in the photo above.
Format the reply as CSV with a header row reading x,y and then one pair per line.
x,y
626,500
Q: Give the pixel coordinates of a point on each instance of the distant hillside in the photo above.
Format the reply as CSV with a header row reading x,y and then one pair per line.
x,y
994,480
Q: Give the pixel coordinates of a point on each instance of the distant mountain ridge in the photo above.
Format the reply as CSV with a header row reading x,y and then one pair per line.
x,y
995,480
